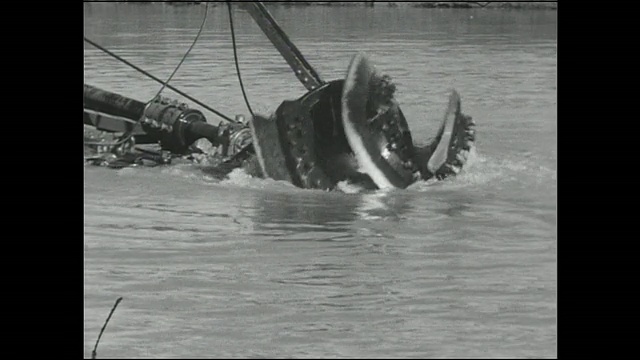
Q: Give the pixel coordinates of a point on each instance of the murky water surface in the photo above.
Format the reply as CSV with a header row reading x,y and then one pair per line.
x,y
245,267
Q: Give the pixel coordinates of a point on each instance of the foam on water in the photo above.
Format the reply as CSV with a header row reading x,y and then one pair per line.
x,y
240,178
479,170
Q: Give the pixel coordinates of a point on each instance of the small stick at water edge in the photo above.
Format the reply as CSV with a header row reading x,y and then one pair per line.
x,y
93,353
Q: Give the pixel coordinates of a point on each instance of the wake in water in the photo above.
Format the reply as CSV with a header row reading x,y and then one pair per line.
x,y
479,171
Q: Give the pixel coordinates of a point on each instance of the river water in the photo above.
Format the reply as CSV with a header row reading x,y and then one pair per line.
x,y
244,267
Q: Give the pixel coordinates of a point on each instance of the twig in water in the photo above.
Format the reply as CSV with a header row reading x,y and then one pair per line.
x,y
93,353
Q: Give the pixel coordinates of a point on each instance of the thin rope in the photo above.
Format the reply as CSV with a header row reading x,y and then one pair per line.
x,y
147,74
235,57
204,20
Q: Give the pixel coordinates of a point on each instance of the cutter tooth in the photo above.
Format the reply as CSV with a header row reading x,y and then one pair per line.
x,y
470,121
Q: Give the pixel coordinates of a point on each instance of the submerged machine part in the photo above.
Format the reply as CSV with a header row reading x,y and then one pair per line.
x,y
296,134
375,127
448,152
354,130
104,102
174,125
233,138
378,133
350,129
303,142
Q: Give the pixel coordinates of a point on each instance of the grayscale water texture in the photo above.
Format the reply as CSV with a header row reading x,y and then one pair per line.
x,y
245,267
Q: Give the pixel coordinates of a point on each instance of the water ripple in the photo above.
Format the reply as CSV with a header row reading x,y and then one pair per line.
x,y
245,267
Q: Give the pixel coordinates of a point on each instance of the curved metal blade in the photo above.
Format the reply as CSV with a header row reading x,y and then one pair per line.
x,y
377,133
439,156
448,152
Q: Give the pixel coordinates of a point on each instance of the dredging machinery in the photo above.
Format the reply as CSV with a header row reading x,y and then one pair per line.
x,y
350,129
